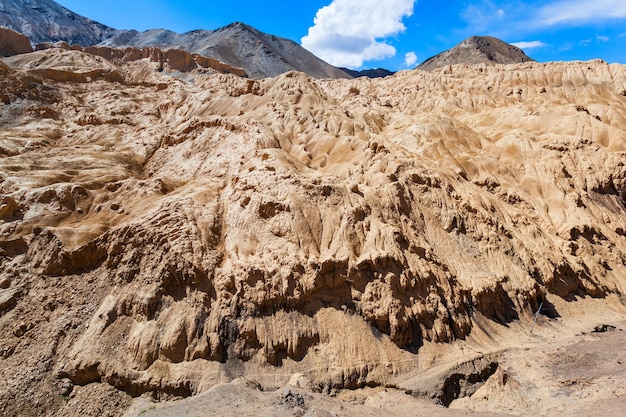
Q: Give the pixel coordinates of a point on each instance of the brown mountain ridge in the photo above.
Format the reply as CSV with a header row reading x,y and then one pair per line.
x,y
477,50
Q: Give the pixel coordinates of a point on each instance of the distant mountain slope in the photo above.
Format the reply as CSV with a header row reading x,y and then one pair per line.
x,y
477,50
46,20
261,55
239,45
371,73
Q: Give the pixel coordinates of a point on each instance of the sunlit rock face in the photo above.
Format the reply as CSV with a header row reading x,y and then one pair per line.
x,y
477,50
162,232
13,43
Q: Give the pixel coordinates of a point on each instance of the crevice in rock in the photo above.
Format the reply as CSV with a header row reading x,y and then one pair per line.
x,y
459,385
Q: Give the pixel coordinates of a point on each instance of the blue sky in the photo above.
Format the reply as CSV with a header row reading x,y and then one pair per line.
x,y
393,34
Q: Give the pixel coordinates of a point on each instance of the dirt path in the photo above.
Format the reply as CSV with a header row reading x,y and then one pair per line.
x,y
582,375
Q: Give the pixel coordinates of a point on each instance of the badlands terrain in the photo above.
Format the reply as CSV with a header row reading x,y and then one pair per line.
x,y
298,246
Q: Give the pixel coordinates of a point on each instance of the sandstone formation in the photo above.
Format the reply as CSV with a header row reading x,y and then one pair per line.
x,y
576,376
477,50
174,59
13,43
162,235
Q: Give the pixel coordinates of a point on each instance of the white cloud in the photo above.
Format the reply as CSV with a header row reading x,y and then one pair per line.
x,y
347,33
601,38
581,11
529,44
518,16
410,59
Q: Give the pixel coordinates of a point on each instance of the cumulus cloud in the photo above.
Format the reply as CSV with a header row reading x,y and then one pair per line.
x,y
601,38
410,59
509,18
347,33
529,44
581,11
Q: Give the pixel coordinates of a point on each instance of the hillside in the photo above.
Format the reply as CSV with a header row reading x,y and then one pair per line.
x,y
477,50
162,237
46,20
237,45
261,55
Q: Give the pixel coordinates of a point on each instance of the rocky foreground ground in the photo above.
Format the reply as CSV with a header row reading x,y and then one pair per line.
x,y
576,375
165,234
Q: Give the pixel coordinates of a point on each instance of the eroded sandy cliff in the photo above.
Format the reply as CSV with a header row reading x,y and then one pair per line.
x,y
162,235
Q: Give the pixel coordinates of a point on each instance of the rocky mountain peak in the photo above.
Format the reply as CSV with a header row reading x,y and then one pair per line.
x,y
45,20
239,25
477,50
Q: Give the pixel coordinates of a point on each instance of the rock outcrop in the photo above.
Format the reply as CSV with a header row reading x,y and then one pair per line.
x,y
163,236
13,43
175,59
477,50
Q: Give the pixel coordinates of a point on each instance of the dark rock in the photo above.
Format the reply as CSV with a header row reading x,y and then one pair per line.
x,y
13,247
459,385
603,328
66,387
8,299
291,399
5,282
370,73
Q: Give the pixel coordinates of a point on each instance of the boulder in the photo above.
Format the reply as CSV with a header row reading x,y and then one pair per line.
x,y
13,43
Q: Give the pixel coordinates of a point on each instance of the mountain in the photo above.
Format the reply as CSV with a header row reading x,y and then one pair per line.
x,y
173,238
46,20
370,73
261,55
238,45
477,50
